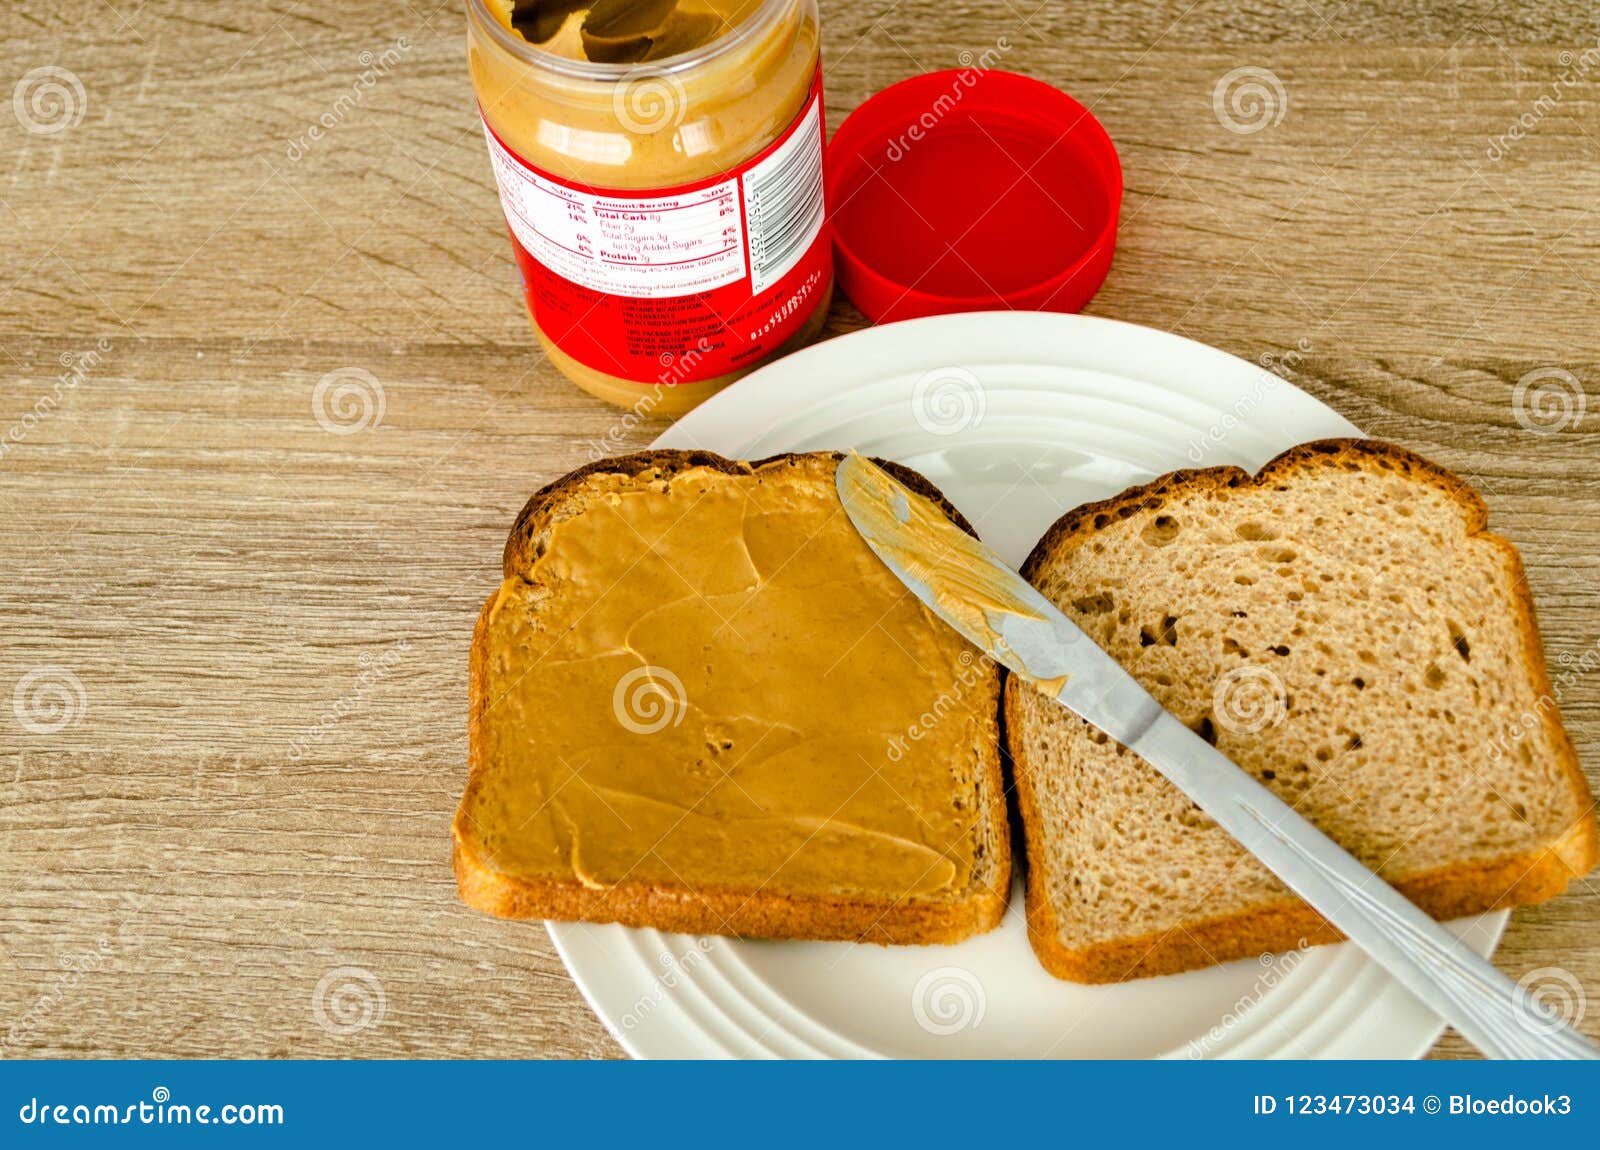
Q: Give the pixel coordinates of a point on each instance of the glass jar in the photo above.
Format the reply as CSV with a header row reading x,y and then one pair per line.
x,y
667,216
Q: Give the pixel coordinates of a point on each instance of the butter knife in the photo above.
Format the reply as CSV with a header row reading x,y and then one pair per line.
x,y
968,586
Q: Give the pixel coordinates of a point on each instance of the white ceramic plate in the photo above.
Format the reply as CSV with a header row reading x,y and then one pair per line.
x,y
1017,417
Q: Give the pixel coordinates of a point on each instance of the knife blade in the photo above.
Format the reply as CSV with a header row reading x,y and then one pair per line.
x,y
965,583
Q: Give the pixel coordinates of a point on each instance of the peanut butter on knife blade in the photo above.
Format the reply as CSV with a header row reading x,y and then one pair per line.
x,y
958,570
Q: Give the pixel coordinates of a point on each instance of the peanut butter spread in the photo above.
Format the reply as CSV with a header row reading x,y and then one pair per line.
x,y
621,31
698,124
968,582
710,680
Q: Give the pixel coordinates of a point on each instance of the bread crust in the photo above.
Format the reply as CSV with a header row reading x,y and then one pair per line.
x,y
1449,892
763,914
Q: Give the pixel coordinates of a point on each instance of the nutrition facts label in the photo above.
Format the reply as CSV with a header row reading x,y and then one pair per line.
x,y
680,243
648,247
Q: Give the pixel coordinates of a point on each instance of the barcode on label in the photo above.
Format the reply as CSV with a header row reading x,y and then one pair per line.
x,y
783,202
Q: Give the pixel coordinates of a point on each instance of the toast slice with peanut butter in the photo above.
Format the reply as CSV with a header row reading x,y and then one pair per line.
x,y
1342,625
700,703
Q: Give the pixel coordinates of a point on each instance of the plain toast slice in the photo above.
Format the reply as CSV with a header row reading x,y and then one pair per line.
x,y
1341,625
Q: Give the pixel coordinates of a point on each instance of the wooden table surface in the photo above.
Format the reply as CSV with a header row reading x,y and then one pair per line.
x,y
254,630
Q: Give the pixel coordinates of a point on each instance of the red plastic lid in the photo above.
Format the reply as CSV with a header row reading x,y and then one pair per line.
x,y
970,190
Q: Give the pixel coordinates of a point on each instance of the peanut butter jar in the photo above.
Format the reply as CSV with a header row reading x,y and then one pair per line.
x,y
659,163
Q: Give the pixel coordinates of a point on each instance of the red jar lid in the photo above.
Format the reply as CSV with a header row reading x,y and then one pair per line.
x,y
972,190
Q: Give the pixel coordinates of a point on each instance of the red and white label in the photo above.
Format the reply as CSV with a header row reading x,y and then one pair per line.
x,y
677,284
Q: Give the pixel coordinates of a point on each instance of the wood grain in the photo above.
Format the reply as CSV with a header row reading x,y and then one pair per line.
x,y
269,621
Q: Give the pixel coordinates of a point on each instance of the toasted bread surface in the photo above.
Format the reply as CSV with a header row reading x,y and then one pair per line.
x,y
600,873
1343,626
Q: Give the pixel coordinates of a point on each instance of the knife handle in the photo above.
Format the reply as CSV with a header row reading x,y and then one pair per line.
x,y
1489,1010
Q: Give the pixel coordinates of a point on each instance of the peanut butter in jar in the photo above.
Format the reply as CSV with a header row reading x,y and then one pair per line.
x,y
660,167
